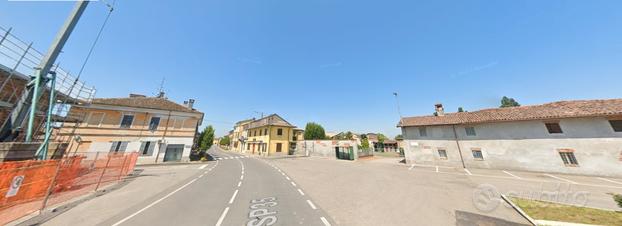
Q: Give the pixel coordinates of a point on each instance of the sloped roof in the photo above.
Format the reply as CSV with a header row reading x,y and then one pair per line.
x,y
144,102
554,110
270,120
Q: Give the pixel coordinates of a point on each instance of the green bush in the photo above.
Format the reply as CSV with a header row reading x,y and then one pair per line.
x,y
618,199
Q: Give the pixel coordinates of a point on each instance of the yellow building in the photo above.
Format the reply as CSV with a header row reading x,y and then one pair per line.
x,y
270,135
157,128
238,138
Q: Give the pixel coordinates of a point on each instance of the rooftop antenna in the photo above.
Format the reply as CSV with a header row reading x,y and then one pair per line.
x,y
161,89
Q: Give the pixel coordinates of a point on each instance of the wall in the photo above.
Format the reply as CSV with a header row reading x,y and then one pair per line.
x,y
323,148
523,145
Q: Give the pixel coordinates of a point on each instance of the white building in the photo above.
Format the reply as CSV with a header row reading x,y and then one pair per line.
x,y
574,137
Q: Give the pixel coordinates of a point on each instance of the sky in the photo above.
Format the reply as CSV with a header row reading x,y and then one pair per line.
x,y
338,62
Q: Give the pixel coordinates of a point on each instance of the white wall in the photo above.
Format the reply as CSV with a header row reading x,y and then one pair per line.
x,y
522,146
134,146
323,148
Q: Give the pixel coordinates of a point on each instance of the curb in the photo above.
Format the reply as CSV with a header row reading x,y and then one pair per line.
x,y
519,210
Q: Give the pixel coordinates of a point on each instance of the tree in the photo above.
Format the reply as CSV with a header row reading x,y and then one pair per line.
x,y
225,141
314,131
399,137
508,102
365,143
460,109
349,135
207,138
381,138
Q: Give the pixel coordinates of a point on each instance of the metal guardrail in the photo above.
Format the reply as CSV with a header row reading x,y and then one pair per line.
x,y
21,59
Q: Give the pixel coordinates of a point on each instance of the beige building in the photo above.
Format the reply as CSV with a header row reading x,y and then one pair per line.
x,y
574,137
239,136
159,129
270,135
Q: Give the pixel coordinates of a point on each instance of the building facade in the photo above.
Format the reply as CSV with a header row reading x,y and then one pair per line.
x,y
574,137
240,135
159,129
270,135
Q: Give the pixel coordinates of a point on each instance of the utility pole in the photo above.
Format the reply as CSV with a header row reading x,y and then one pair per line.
x,y
397,101
27,104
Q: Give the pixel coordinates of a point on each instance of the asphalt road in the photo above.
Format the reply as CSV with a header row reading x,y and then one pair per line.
x,y
237,190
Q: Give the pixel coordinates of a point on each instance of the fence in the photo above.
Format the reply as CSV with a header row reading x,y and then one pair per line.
x,y
29,186
368,152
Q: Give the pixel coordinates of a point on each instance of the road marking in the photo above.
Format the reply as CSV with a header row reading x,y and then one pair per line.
x,y
203,166
437,169
242,177
201,175
242,171
508,173
287,178
411,167
325,221
294,184
233,197
239,183
612,181
311,204
283,174
153,203
222,216
300,191
467,171
559,178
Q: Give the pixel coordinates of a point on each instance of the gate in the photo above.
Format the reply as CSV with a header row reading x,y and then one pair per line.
x,y
345,153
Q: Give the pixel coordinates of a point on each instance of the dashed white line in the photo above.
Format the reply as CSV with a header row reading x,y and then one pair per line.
x,y
612,181
203,166
311,204
559,178
512,175
239,183
222,216
233,197
300,191
467,171
294,184
287,178
325,221
437,169
242,177
411,167
153,203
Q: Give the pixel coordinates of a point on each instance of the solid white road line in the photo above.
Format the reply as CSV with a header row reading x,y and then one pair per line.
x,y
300,191
233,197
311,204
512,175
612,181
411,167
222,216
153,203
294,184
203,166
467,171
559,178
325,221
239,183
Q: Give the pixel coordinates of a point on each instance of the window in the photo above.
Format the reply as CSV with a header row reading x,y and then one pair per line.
x,y
616,125
279,132
154,123
127,120
423,132
470,131
260,132
265,132
568,158
248,147
96,119
118,146
477,154
553,127
255,133
442,153
278,147
146,148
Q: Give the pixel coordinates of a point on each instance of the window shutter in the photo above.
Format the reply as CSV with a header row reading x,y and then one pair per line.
x,y
151,147
142,148
112,147
123,146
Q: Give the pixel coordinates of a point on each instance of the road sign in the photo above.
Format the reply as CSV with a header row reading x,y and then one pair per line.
x,y
15,184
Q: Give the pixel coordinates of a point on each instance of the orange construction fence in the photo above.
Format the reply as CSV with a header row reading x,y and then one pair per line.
x,y
29,186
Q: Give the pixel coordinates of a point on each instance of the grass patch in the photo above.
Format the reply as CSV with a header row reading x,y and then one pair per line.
x,y
557,212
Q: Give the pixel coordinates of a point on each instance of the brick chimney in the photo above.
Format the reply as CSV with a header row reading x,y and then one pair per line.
x,y
440,111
